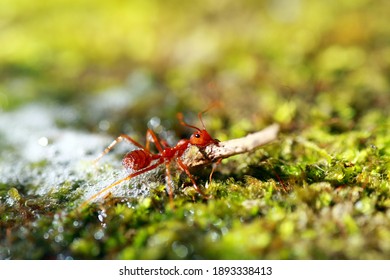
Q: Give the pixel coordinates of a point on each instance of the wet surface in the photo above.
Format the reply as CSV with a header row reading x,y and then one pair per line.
x,y
41,157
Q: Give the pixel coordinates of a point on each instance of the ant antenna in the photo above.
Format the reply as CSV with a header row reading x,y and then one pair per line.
x,y
182,122
181,117
200,118
212,105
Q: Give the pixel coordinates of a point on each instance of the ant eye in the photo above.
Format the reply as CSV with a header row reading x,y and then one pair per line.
x,y
197,135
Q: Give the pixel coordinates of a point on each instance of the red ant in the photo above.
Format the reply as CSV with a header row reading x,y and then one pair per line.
x,y
142,160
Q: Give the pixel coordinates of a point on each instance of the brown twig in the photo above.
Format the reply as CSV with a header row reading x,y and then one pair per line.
x,y
195,156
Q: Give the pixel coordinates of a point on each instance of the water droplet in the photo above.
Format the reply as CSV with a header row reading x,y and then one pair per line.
x,y
104,125
58,238
43,141
180,249
154,122
101,216
99,234
214,236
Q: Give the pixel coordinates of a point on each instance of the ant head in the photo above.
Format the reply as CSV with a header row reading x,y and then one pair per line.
x,y
200,137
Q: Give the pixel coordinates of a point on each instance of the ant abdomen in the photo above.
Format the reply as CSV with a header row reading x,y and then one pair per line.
x,y
137,160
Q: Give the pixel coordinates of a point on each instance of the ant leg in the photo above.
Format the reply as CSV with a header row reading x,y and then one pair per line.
x,y
169,183
132,175
119,139
164,143
185,169
151,137
214,167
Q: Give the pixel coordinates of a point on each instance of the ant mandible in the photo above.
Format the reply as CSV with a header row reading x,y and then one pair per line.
x,y
143,160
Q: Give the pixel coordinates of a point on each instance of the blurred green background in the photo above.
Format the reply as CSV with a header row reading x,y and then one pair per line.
x,y
321,69
262,59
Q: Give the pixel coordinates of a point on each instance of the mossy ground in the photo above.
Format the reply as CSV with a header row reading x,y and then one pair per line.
x,y
319,69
